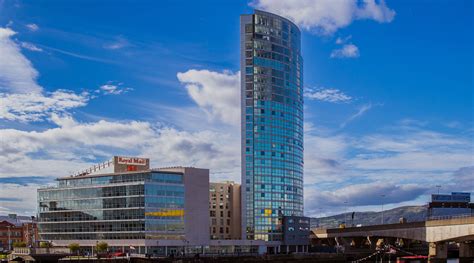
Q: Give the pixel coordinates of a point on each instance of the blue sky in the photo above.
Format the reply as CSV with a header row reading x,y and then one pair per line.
x,y
388,108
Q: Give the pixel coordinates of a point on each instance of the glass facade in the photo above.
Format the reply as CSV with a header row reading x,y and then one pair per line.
x,y
148,205
272,124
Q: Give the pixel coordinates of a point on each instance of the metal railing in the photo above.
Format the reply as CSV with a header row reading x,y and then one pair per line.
x,y
38,250
433,218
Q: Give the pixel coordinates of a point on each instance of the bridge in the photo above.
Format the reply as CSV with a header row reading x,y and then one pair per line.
x,y
435,232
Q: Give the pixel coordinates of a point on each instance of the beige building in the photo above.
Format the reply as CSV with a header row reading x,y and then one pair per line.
x,y
225,210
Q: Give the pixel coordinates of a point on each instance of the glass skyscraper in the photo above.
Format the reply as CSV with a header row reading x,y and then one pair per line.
x,y
272,124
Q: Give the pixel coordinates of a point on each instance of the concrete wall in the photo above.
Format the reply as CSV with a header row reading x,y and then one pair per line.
x,y
196,204
244,19
236,220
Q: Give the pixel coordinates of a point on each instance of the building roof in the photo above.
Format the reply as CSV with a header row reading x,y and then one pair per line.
x,y
117,173
18,221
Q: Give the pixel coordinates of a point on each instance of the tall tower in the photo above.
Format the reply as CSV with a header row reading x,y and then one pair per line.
x,y
272,124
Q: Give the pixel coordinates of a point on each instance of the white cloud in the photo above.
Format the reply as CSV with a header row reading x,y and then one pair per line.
x,y
21,98
32,27
112,88
71,141
361,111
16,72
119,43
347,51
218,94
342,167
327,16
27,107
416,150
366,194
329,95
24,203
30,46
73,145
324,157
343,40
463,179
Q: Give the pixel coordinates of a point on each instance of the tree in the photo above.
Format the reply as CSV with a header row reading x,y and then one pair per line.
x,y
74,247
101,247
45,244
19,244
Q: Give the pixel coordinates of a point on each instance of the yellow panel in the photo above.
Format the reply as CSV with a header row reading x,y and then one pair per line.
x,y
166,213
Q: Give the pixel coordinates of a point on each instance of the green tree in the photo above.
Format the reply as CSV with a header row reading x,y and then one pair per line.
x,y
74,247
101,247
19,244
45,244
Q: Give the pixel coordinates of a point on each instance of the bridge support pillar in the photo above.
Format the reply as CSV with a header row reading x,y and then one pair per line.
x,y
466,252
438,252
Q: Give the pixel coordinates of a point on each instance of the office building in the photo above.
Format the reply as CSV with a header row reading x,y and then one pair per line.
x,y
296,232
457,203
225,209
126,204
272,124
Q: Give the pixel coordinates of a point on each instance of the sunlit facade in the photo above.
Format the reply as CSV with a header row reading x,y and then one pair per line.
x,y
125,203
120,206
272,124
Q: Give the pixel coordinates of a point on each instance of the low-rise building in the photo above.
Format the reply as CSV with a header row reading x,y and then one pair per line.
x,y
17,229
9,234
225,210
296,231
129,206
30,233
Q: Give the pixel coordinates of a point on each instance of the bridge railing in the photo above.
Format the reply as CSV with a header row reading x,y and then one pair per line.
x,y
434,218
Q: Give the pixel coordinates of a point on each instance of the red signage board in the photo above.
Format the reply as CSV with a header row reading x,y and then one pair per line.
x,y
132,160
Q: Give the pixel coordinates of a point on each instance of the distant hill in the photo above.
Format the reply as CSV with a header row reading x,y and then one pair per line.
x,y
411,213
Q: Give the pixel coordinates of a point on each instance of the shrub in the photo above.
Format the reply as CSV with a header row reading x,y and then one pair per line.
x,y
101,247
45,244
19,244
74,247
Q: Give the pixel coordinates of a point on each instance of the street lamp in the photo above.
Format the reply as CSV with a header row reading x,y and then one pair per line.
x,y
382,208
9,241
345,213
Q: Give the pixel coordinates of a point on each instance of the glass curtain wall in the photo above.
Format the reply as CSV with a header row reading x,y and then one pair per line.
x,y
120,206
272,120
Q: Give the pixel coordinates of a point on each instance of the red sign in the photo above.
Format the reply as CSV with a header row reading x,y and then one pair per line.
x,y
131,161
